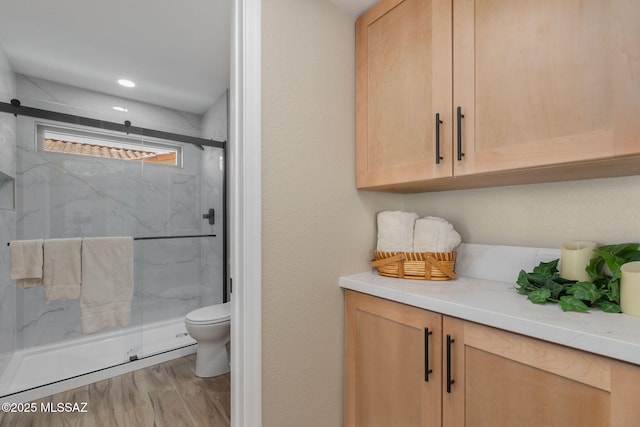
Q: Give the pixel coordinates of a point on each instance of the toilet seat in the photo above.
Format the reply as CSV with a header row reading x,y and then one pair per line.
x,y
210,315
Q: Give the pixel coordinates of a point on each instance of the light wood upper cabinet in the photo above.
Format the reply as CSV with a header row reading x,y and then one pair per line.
x,y
547,89
403,81
544,82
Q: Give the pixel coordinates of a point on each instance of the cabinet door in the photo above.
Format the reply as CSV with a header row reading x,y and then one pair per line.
x,y
403,79
544,82
388,353
503,379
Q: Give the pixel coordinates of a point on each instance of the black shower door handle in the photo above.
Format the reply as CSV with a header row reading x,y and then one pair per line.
x,y
211,216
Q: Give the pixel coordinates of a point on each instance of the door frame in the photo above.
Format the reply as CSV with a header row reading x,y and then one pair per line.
x,y
245,215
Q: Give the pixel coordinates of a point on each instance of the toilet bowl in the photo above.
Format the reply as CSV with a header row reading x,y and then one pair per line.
x,y
210,326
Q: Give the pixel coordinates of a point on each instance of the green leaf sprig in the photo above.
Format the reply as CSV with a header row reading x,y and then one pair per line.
x,y
544,283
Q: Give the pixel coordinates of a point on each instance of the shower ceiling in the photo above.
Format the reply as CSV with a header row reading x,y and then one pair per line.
x,y
177,52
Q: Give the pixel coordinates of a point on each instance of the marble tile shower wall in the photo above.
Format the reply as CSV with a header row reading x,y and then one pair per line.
x,y
7,292
7,214
61,195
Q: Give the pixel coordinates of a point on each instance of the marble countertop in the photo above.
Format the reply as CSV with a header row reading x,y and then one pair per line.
x,y
497,304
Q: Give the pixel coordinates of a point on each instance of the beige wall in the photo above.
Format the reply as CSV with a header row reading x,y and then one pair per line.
x,y
541,215
316,226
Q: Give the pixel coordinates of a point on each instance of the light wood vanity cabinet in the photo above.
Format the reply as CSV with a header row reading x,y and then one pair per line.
x,y
481,376
387,357
546,90
504,379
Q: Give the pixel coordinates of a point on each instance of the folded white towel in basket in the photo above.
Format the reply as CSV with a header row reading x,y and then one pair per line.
x,y
433,234
61,272
395,231
26,262
107,282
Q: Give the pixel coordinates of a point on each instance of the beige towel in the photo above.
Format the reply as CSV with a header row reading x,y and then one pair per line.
x,y
26,262
61,271
395,231
433,234
107,282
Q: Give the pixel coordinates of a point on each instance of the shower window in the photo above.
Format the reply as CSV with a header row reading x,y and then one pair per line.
x,y
73,141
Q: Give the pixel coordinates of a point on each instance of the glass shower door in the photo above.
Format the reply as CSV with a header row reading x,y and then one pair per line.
x,y
182,271
7,288
81,181
69,185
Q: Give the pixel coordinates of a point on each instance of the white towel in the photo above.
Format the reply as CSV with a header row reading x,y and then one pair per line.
x,y
395,231
433,234
107,282
61,271
26,262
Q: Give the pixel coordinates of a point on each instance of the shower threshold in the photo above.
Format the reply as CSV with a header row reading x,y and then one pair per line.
x,y
106,354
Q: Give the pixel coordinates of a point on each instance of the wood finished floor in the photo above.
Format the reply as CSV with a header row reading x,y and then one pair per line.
x,y
167,394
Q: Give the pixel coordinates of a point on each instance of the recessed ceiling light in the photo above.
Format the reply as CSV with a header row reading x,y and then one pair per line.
x,y
126,83
122,109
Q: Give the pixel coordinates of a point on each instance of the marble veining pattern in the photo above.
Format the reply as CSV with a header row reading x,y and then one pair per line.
x,y
7,290
60,195
7,121
7,214
501,263
39,93
7,198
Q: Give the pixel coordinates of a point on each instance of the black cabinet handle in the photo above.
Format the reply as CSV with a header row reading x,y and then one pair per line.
x,y
460,117
427,370
438,156
450,381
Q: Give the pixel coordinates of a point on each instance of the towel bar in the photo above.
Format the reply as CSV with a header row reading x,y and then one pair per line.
x,y
165,237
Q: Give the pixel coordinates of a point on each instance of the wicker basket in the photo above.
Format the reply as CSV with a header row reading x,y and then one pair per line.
x,y
416,265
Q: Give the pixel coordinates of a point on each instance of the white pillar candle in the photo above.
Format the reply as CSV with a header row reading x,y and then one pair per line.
x,y
630,288
574,259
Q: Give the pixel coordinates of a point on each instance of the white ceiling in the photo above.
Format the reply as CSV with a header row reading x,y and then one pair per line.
x,y
176,51
354,7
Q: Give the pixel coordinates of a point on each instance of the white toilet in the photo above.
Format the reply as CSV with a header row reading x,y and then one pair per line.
x,y
211,327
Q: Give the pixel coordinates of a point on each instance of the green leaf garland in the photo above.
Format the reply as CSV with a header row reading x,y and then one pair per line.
x,y
544,283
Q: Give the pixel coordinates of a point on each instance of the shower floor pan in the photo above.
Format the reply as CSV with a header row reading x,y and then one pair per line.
x,y
47,365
